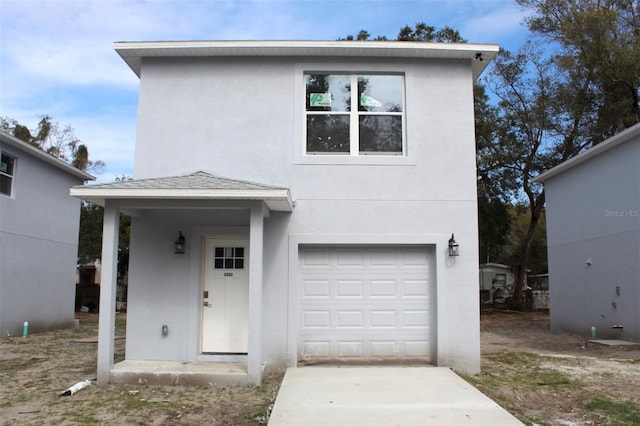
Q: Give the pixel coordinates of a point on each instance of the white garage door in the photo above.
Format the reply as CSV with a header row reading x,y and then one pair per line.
x,y
366,303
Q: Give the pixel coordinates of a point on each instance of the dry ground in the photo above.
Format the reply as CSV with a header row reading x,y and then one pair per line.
x,y
542,378
35,369
556,378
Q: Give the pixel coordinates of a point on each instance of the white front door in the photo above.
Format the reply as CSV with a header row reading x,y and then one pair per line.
x,y
225,296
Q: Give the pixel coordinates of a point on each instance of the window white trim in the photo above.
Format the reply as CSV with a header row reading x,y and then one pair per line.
x,y
299,125
10,176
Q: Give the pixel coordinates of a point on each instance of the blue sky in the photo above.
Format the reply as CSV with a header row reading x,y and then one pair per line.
x,y
57,56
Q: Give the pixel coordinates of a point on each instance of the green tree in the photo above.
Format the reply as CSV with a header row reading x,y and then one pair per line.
x,y
427,33
420,32
554,104
539,124
494,190
56,140
600,38
90,238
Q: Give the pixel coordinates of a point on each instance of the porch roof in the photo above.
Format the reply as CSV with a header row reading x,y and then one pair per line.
x,y
196,186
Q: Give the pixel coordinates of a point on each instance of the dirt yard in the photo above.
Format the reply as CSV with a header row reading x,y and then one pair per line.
x,y
34,370
542,378
556,379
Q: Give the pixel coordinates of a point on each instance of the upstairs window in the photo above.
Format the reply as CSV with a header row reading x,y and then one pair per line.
x,y
7,166
334,127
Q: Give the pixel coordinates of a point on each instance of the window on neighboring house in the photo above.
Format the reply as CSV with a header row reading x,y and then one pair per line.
x,y
375,127
7,165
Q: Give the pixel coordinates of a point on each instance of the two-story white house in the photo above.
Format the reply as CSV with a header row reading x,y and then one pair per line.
x,y
293,203
593,239
39,224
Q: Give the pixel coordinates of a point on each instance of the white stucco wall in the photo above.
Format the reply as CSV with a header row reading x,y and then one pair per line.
x,y
242,119
38,247
593,236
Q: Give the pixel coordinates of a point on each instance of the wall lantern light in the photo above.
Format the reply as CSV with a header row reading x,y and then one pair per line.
x,y
453,247
179,244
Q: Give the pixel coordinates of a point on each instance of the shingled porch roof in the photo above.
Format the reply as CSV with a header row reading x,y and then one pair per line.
x,y
196,186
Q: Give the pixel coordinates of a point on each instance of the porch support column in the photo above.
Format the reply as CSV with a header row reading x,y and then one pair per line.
x,y
106,325
254,356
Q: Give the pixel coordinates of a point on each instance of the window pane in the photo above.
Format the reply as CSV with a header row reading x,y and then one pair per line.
x,y
328,133
381,133
327,92
239,264
239,251
218,264
228,264
5,185
380,93
228,252
6,165
219,251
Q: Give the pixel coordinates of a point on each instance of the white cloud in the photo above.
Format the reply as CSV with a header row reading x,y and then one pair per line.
x,y
504,25
57,56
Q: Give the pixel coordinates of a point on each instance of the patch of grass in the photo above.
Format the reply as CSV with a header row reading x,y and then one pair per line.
x,y
619,413
526,371
538,421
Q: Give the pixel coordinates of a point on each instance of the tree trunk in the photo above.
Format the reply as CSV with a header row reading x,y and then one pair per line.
x,y
524,251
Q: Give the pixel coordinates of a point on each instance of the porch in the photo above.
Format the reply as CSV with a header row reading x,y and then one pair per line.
x,y
166,296
168,373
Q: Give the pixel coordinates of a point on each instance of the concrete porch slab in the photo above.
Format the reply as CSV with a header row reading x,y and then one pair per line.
x,y
199,373
378,396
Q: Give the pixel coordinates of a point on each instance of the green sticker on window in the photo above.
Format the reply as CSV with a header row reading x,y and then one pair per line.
x,y
368,101
320,100
4,167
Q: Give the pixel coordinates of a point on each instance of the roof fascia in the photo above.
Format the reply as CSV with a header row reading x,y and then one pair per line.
x,y
100,195
40,154
480,54
622,137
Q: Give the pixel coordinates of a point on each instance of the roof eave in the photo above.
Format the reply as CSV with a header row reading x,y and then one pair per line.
x,y
602,147
133,52
40,154
275,199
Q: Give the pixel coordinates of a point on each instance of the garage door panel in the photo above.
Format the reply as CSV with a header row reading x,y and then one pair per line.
x,y
316,319
349,288
384,348
413,319
350,349
360,303
415,288
351,259
316,258
384,319
383,287
316,288
412,258
350,319
314,349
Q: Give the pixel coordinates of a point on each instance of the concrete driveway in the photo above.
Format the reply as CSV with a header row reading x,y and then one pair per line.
x,y
382,395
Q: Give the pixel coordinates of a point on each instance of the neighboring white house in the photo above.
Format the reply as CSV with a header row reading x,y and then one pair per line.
x,y
39,224
593,238
316,185
496,282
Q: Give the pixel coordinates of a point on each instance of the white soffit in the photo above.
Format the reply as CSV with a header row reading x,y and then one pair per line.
x,y
133,52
